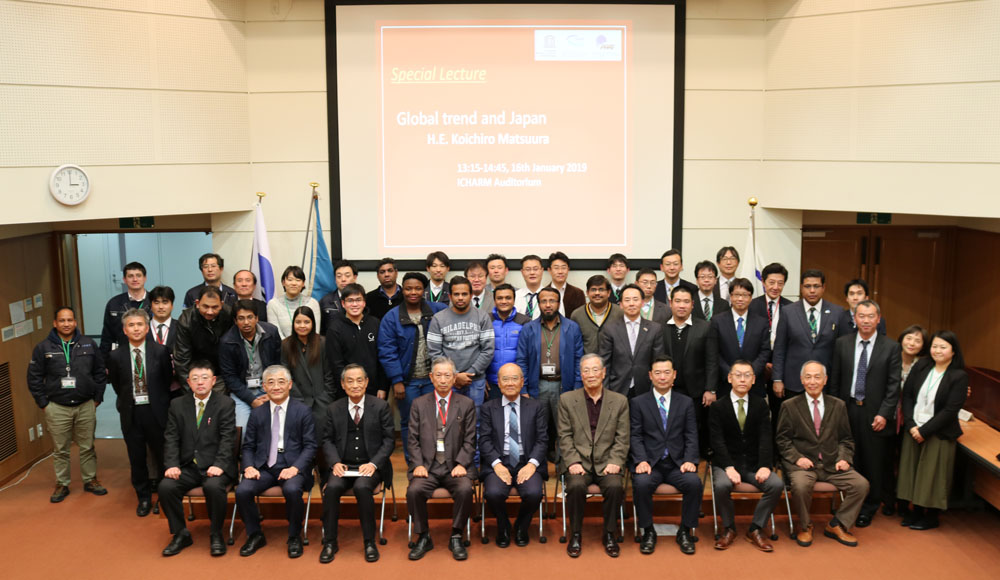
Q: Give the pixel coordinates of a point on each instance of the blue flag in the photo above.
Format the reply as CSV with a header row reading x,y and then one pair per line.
x,y
324,281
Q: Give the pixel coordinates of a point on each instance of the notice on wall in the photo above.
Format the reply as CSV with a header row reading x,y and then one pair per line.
x,y
24,328
16,312
8,332
38,300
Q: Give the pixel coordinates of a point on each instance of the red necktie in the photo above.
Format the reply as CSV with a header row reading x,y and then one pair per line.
x,y
816,419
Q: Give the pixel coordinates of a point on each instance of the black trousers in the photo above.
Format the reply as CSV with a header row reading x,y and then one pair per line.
x,y
421,488
364,492
495,492
872,457
612,495
172,492
248,490
144,432
667,471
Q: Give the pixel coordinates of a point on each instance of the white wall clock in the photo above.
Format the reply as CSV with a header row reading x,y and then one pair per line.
x,y
69,184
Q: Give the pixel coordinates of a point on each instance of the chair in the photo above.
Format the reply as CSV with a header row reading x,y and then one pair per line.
x,y
275,492
200,492
743,491
440,493
823,489
513,493
593,490
382,488
664,489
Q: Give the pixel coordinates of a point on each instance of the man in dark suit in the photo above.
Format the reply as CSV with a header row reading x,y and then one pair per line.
x,y
593,443
278,450
162,327
706,299
211,266
742,335
671,264
855,292
769,306
652,309
134,277
628,346
438,265
806,332
740,430
198,332
865,374
815,442
513,441
664,450
442,447
359,441
140,374
344,273
570,297
198,451
728,260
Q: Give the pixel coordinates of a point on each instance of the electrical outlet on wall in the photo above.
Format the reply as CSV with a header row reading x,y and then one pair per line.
x,y
31,433
38,428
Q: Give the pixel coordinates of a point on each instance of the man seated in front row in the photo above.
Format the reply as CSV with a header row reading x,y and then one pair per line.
x,y
740,429
278,450
359,441
513,441
591,455
442,444
198,451
815,442
665,450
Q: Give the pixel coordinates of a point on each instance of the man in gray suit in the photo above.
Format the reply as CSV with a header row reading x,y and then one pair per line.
x,y
629,345
593,441
815,442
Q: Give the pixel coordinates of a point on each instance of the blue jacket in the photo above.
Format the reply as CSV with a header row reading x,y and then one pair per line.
x,y
397,340
505,335
529,354
233,359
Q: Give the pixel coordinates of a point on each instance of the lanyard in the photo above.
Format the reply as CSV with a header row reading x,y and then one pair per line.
x,y
298,303
141,368
444,416
548,341
66,348
434,298
248,344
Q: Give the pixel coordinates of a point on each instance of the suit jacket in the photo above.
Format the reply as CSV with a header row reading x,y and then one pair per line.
x,y
529,354
661,290
621,363
459,432
212,443
847,325
758,305
746,449
572,299
485,300
158,374
796,436
756,347
661,312
171,336
608,445
718,307
534,428
377,433
314,385
300,437
885,367
680,440
699,363
948,401
445,293
793,346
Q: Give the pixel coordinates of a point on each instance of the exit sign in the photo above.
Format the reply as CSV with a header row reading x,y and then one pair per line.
x,y
136,223
874,218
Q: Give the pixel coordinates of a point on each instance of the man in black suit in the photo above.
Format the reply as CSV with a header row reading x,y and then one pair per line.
x,y
694,349
140,374
652,309
769,306
245,285
740,430
855,292
742,335
806,332
198,332
513,441
664,449
628,346
866,374
359,441
728,260
671,264
198,451
211,266
163,327
438,265
344,273
278,450
442,447
706,299
134,277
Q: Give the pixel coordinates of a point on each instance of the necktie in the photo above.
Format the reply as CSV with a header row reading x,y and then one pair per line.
x,y
272,456
476,300
201,411
859,383
444,411
741,414
663,412
513,434
530,310
740,332
357,414
816,418
812,322
708,309
138,383
633,334
770,312
159,333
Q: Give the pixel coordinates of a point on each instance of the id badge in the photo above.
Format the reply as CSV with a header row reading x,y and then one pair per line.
x,y
141,399
440,445
68,382
253,383
548,370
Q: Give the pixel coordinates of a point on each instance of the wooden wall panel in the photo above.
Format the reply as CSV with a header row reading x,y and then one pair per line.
x,y
975,307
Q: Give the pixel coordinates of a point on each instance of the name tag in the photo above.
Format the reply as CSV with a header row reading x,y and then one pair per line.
x,y
440,445
253,383
114,346
548,369
68,382
141,399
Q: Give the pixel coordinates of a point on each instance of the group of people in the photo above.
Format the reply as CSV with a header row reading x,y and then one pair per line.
x,y
640,377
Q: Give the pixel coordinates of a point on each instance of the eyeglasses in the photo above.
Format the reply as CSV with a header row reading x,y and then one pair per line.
x,y
510,380
741,375
279,382
354,301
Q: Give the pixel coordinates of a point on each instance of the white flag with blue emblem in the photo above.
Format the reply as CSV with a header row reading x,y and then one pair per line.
x,y
260,260
750,261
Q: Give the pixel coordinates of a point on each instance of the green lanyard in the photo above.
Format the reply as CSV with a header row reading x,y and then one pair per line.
x,y
549,341
433,297
141,367
66,349
248,344
298,303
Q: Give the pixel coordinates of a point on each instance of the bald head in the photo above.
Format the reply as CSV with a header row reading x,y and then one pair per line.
x,y
511,381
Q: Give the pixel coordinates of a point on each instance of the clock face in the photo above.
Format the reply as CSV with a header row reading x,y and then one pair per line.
x,y
69,184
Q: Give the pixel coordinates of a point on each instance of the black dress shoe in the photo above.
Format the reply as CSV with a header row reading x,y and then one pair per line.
x,y
913,516
458,548
329,551
685,541
145,506
503,537
573,548
864,520
255,542
294,546
421,546
371,551
648,542
216,546
928,522
888,509
521,537
610,545
180,541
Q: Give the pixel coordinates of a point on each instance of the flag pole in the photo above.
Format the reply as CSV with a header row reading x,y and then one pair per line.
x,y
753,223
312,265
260,198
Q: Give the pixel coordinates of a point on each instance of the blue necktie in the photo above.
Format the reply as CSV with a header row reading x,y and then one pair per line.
x,y
513,434
859,384
663,416
740,331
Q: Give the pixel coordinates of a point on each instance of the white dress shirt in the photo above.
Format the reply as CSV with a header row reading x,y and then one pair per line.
x,y
818,313
736,402
924,408
197,400
154,328
283,417
822,406
359,407
857,356
507,404
521,302
774,316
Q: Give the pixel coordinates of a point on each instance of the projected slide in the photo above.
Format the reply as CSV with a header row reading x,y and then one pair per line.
x,y
534,115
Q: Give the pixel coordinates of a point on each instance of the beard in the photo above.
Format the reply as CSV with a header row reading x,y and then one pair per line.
x,y
550,317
